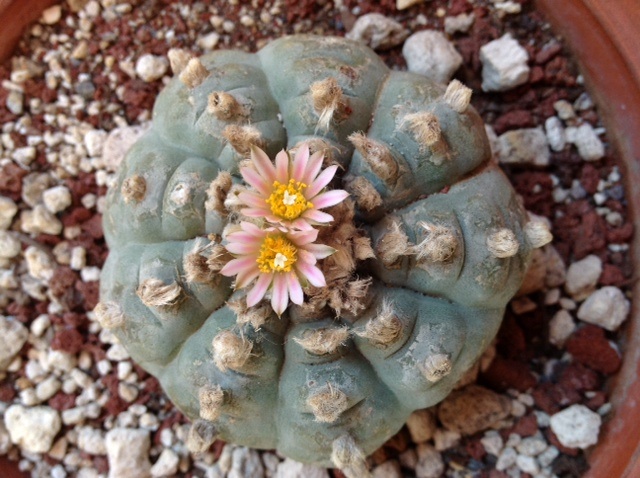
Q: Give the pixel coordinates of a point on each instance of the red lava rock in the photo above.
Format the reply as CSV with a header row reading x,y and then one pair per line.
x,y
577,377
589,346
525,426
512,342
553,440
90,291
513,120
598,399
11,180
475,449
459,6
504,374
68,340
21,312
62,281
62,401
93,226
543,398
76,216
589,178
536,75
611,275
548,52
73,319
7,392
101,464
620,234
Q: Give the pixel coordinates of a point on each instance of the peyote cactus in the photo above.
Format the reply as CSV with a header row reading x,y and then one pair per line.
x,y
422,259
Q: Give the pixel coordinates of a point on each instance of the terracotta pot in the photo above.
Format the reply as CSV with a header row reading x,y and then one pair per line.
x,y
603,38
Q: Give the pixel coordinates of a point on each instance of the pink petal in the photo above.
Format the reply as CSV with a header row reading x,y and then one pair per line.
x,y
311,273
255,179
242,248
300,224
317,216
306,256
300,238
295,290
234,266
258,291
263,164
320,251
313,167
252,229
282,167
300,162
330,198
321,181
255,212
244,277
253,199
244,238
279,294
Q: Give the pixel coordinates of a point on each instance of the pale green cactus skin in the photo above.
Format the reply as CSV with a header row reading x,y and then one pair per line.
x,y
451,308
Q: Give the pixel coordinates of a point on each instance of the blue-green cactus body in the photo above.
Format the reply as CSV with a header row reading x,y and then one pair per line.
x,y
447,234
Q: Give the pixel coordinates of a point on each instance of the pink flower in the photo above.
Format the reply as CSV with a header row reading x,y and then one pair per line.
x,y
278,260
291,191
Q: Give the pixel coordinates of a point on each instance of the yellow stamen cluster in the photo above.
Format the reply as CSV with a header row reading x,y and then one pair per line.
x,y
277,254
287,200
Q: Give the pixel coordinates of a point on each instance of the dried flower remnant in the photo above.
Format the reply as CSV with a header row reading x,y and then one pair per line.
x,y
278,260
290,192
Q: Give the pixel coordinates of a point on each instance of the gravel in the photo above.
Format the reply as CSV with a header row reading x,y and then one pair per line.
x,y
76,96
429,53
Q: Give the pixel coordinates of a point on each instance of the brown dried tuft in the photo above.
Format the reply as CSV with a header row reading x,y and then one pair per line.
x,y
256,315
328,403
211,401
436,367
201,436
503,244
133,188
109,315
329,102
458,96
154,293
347,456
225,107
362,249
217,193
218,257
178,59
196,265
377,155
366,196
393,245
428,134
439,245
241,138
232,202
384,329
323,341
230,350
194,73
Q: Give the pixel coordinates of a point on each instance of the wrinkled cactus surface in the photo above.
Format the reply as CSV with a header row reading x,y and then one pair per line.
x,y
430,247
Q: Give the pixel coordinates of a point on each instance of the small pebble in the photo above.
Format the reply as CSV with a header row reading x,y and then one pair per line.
x,y
524,146
576,426
431,54
151,67
561,326
430,464
582,277
128,452
459,23
504,64
32,428
556,136
377,31
166,465
293,469
422,425
606,307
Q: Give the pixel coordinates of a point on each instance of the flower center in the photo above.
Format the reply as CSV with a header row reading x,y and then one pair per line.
x,y
277,254
287,200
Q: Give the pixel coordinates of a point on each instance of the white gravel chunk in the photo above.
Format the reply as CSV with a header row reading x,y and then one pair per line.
x,y
546,457
492,442
10,246
5,439
8,210
13,335
504,64
403,4
507,459
39,264
245,462
524,146
430,464
584,137
556,136
576,426
429,53
32,428
527,464
531,446
292,469
47,388
40,221
128,452
208,42
56,199
582,277
564,109
167,464
94,141
459,23
24,155
561,327
151,67
422,425
118,143
92,441
606,307
378,31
